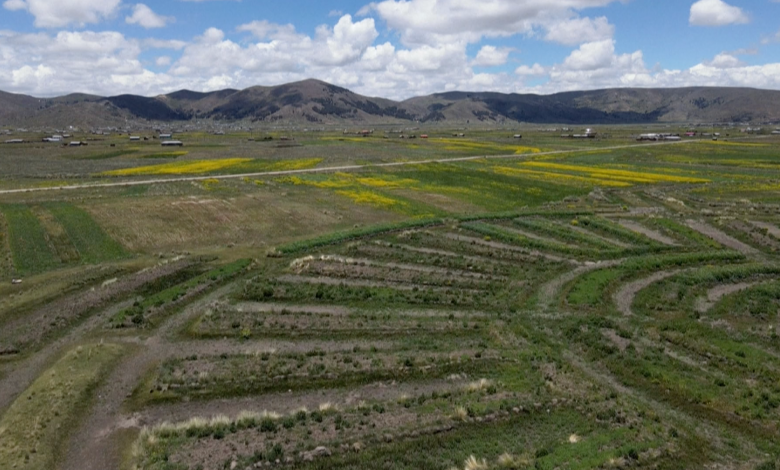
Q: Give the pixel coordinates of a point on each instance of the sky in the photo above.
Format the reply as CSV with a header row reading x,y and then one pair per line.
x,y
389,48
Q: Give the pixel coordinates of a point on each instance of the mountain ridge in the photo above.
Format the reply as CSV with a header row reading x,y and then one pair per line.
x,y
317,102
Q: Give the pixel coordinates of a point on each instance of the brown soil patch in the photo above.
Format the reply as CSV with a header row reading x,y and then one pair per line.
x,y
624,298
651,234
263,218
721,237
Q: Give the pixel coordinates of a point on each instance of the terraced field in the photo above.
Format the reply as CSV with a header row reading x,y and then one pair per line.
x,y
625,319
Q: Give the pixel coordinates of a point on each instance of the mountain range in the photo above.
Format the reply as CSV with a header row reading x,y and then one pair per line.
x,y
314,102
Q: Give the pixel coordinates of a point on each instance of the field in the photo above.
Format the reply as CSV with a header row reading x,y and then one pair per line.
x,y
332,301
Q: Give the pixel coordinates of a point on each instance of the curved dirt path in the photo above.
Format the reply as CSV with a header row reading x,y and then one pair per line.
x,y
722,238
624,297
548,292
714,295
649,233
92,445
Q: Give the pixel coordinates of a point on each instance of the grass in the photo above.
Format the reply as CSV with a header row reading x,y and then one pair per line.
x,y
32,430
28,240
93,244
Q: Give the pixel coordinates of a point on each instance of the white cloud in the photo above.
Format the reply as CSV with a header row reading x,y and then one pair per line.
x,y
60,13
725,61
163,61
426,21
580,30
591,56
491,56
534,71
716,13
144,16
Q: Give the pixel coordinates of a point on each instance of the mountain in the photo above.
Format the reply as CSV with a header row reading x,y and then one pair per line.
x,y
314,101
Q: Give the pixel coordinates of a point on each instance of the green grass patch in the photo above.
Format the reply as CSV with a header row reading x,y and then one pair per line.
x,y
92,243
588,291
108,155
165,155
339,237
28,240
33,430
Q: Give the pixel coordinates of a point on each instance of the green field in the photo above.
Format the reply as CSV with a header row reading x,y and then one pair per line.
x,y
333,301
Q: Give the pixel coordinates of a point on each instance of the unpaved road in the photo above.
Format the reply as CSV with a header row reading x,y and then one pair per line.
x,y
315,170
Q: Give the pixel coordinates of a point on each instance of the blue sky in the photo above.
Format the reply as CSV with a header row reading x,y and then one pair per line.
x,y
391,48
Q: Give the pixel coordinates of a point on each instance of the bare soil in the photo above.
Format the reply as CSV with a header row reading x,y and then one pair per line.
x,y
722,238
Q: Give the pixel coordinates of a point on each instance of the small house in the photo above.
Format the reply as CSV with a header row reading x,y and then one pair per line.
x,y
135,138
517,136
172,143
14,141
166,136
75,143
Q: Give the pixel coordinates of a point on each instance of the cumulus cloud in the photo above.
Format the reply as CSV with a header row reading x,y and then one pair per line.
x,y
716,13
60,13
491,56
144,16
580,30
426,21
533,71
725,61
66,62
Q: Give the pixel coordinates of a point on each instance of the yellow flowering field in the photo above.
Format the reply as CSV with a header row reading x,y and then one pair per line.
x,y
617,175
236,165
180,168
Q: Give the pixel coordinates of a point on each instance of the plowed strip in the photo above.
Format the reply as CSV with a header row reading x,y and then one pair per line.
x,y
721,237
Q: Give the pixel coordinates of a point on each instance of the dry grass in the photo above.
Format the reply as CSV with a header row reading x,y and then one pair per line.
x,y
31,430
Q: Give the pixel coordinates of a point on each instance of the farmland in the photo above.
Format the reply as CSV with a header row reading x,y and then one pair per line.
x,y
333,301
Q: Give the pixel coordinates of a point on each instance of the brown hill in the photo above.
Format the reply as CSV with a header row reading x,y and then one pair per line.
x,y
314,101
